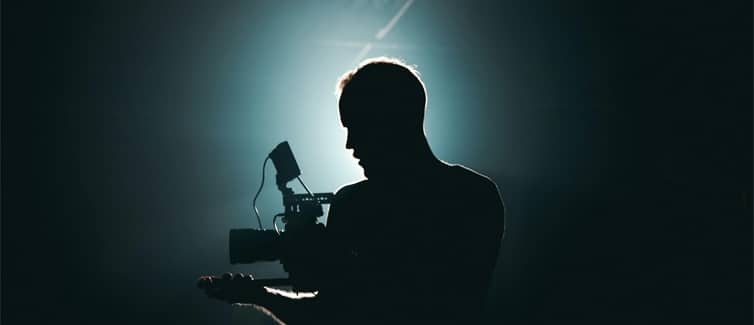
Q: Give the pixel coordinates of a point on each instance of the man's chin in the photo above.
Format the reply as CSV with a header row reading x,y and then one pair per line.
x,y
366,171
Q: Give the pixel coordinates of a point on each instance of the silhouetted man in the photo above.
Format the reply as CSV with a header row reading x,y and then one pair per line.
x,y
416,242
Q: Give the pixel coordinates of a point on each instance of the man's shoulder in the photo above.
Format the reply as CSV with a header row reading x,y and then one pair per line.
x,y
471,178
486,195
348,190
455,173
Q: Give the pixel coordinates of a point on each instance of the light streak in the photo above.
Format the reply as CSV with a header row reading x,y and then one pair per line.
x,y
383,31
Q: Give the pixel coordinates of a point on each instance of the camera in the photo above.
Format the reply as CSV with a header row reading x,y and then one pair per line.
x,y
301,231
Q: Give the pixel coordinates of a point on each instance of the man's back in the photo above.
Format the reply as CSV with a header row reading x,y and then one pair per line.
x,y
421,247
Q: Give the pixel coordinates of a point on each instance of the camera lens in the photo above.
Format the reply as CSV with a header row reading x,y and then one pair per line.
x,y
252,245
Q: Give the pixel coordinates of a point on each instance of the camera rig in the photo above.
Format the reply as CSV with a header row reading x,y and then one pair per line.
x,y
300,214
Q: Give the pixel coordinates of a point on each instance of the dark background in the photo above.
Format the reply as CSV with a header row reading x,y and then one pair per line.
x,y
637,116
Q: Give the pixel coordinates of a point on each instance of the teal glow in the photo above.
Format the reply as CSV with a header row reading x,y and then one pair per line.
x,y
278,75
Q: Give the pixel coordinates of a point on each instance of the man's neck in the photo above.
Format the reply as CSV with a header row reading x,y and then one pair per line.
x,y
415,150
410,161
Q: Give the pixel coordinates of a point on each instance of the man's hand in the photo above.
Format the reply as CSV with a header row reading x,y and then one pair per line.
x,y
233,288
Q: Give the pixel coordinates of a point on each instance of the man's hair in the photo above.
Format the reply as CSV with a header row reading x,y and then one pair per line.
x,y
382,90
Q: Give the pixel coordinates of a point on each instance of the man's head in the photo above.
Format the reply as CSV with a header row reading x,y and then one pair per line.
x,y
382,105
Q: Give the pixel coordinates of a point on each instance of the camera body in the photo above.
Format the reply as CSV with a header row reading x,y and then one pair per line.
x,y
248,245
301,233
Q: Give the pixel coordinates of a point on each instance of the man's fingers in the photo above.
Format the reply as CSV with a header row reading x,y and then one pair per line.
x,y
204,282
230,287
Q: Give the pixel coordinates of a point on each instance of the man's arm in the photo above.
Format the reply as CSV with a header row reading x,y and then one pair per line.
x,y
284,306
291,308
